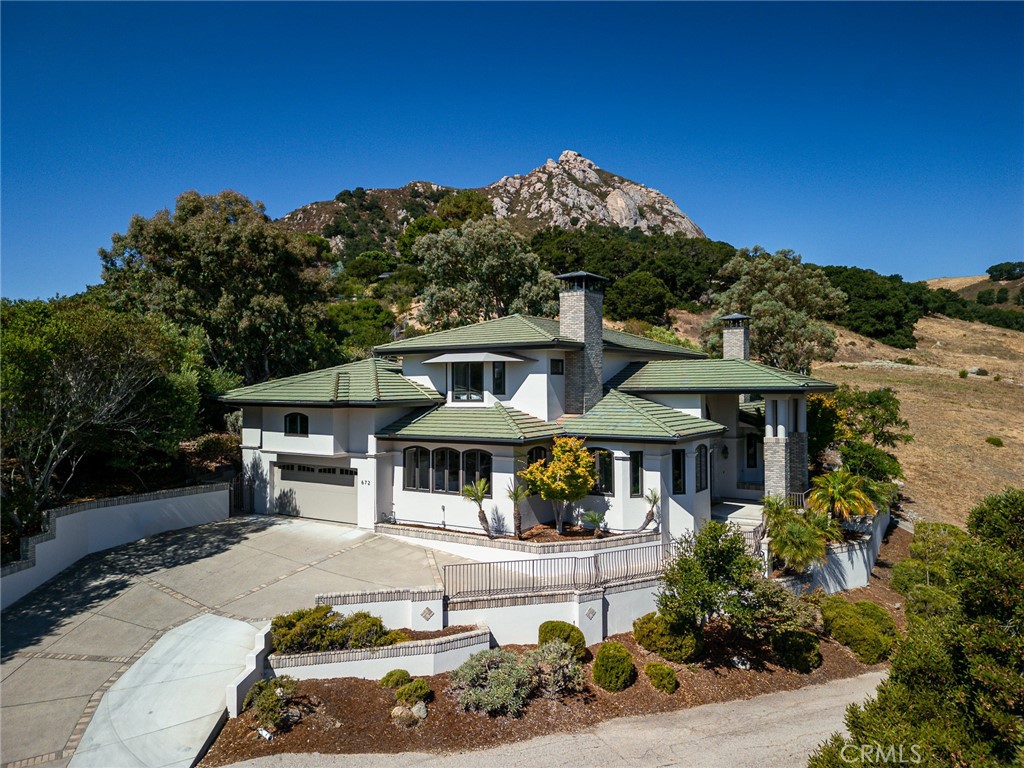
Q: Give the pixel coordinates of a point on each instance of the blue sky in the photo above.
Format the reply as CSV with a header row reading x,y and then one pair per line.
x,y
887,136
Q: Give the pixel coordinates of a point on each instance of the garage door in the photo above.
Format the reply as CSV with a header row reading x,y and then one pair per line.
x,y
322,493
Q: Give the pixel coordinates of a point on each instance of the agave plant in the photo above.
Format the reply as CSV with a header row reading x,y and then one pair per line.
x,y
841,494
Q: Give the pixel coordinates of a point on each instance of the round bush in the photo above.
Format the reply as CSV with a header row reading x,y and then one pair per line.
x,y
797,650
567,633
924,601
396,678
613,667
417,690
662,677
864,627
673,643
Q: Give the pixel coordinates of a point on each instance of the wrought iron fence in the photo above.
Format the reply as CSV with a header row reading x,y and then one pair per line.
x,y
798,500
556,574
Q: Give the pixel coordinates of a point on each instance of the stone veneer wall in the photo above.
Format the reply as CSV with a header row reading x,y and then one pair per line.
x,y
580,320
777,456
798,481
736,343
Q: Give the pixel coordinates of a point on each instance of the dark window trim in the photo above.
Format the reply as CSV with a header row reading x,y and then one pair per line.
x,y
541,458
495,367
557,366
303,421
596,491
701,467
751,447
679,455
468,394
447,471
490,475
416,469
636,474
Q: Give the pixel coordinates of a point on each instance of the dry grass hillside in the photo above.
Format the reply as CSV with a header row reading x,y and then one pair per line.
x,y
970,287
949,466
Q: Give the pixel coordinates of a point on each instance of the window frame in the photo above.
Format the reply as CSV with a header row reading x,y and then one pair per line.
x,y
598,489
636,474
498,365
701,469
557,367
679,472
417,469
465,392
751,450
301,424
483,458
532,451
450,456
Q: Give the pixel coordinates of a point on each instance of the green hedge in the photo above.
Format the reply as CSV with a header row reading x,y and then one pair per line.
x,y
613,667
924,601
866,628
797,650
673,643
320,629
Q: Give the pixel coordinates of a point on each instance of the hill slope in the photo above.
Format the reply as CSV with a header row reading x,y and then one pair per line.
x,y
970,287
570,193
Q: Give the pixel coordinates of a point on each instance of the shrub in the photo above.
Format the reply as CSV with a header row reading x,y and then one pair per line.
x,y
410,693
993,440
269,701
673,643
864,627
910,572
558,671
613,667
926,601
567,633
997,377
320,629
396,678
496,681
963,373
797,650
999,519
662,677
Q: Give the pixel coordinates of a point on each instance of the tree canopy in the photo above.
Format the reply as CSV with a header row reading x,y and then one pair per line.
x,y
481,271
639,296
1006,270
219,265
788,303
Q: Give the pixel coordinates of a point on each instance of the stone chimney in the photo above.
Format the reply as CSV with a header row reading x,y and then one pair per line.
x,y
736,337
581,303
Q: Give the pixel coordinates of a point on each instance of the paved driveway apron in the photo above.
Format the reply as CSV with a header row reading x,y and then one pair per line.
x,y
66,644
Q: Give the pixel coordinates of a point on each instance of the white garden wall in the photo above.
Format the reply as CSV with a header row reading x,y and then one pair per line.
x,y
80,530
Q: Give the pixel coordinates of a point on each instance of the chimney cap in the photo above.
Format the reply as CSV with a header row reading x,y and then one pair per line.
x,y
584,280
736,319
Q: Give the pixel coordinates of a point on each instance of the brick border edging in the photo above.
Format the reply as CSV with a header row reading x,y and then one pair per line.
x,y
513,545
29,543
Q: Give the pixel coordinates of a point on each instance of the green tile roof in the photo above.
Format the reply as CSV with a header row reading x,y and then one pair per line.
x,y
712,376
366,382
624,417
447,423
752,412
523,331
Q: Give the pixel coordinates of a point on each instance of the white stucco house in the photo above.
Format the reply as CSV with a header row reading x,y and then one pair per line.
x,y
395,437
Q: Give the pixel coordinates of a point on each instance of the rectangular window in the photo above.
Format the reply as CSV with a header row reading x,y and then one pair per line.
x,y
498,373
417,469
557,366
751,451
446,471
467,382
702,468
678,472
604,472
636,474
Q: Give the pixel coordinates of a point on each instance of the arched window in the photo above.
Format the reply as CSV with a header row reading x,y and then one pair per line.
x,y
476,465
701,468
296,425
604,472
417,469
446,471
535,454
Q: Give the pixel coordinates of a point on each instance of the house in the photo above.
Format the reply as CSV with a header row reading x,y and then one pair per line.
x,y
378,440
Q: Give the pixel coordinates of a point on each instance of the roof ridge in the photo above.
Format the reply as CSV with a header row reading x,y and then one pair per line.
x,y
498,406
337,385
649,416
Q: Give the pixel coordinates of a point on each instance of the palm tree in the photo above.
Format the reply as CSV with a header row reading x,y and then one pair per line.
x,y
798,538
517,494
841,494
652,498
477,492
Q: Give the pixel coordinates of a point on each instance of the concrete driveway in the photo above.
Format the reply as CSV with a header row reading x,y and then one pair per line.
x,y
65,644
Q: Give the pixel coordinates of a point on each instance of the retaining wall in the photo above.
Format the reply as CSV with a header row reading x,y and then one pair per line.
x,y
76,531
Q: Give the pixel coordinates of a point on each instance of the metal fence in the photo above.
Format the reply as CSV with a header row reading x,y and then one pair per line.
x,y
555,574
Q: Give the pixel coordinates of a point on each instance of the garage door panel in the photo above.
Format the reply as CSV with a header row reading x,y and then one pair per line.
x,y
314,493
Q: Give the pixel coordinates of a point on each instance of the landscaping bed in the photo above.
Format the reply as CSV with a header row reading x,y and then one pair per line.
x,y
895,547
352,716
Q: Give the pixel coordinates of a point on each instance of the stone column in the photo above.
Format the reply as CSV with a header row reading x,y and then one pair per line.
x,y
777,462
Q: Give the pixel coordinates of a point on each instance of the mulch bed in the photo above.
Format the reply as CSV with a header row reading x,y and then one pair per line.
x,y
352,716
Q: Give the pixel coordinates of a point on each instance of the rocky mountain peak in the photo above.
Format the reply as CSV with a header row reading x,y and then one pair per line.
x,y
575,191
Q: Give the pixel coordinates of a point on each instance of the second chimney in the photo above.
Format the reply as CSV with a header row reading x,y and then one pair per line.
x,y
736,337
581,302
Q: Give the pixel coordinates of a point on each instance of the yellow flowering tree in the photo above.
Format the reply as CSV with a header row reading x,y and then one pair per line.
x,y
563,479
